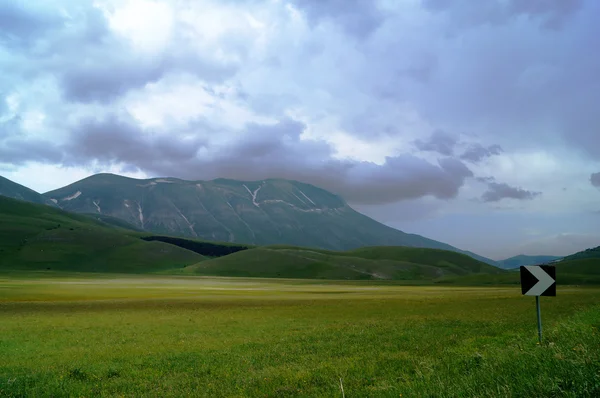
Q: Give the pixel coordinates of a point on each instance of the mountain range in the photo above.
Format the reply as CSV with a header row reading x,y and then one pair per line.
x,y
266,212
40,238
522,259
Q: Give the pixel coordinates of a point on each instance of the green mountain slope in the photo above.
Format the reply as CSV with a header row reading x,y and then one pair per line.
x,y
589,253
39,237
259,213
374,263
517,261
584,266
11,189
580,268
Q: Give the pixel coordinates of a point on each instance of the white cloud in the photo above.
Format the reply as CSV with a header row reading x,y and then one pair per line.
x,y
146,24
174,102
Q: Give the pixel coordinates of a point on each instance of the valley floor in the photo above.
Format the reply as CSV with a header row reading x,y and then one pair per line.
x,y
115,335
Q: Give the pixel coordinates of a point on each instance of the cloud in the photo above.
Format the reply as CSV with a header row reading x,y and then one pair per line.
x,y
20,22
498,191
552,13
477,152
263,151
358,18
595,179
92,61
120,140
486,179
19,152
562,244
440,142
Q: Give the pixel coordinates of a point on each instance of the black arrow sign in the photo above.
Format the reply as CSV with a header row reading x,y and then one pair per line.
x,y
538,280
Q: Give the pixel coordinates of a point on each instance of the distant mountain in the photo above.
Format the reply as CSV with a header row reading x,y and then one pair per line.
x,y
517,261
264,212
16,191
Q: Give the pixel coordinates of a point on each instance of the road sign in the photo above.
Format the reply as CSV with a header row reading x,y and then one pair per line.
x,y
538,280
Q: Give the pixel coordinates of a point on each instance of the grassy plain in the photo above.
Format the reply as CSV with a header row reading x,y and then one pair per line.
x,y
118,335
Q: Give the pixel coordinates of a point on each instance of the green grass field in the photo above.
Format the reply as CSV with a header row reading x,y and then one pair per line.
x,y
123,335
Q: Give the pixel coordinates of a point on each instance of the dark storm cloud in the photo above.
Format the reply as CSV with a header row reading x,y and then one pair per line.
x,y
476,152
19,152
116,140
358,18
532,84
498,191
20,22
552,13
264,151
595,179
440,142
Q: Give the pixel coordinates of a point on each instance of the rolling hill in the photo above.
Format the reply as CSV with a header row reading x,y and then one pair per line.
x,y
372,263
579,268
592,253
257,213
39,237
522,259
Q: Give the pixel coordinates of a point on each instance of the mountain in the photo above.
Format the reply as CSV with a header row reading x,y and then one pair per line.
x,y
416,265
522,259
13,190
579,268
592,253
264,212
36,237
39,237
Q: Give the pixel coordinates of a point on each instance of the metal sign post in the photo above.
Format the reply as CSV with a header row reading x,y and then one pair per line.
x,y
539,314
538,280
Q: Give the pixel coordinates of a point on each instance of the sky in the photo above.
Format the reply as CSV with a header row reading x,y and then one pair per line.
x,y
473,123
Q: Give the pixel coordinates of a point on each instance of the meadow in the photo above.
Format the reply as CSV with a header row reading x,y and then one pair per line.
x,y
95,335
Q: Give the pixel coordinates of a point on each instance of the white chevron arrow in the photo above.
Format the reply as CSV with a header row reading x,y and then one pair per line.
x,y
544,281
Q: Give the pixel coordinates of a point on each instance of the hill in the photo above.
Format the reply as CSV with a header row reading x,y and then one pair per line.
x,y
39,237
579,268
375,263
13,190
254,213
585,254
517,261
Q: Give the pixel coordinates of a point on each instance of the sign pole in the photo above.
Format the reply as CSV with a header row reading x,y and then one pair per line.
x,y
539,317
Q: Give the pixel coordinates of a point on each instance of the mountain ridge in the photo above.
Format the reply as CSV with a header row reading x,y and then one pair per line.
x,y
524,259
263,212
14,190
